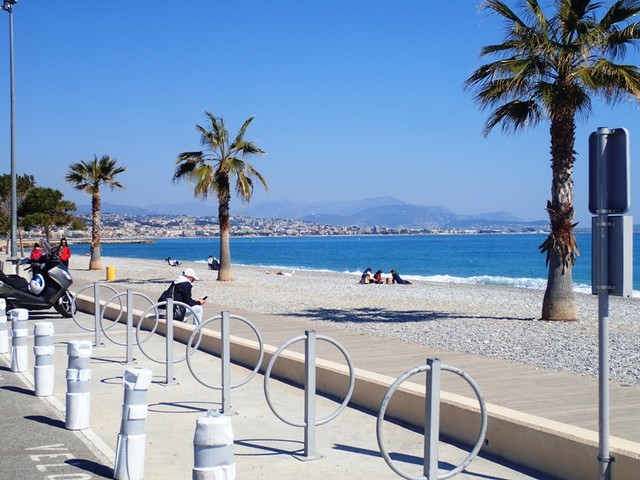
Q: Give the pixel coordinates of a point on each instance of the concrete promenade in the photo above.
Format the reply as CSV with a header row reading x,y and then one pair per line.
x,y
264,446
267,448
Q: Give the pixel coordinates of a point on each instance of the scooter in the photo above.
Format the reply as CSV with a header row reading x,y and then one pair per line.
x,y
49,286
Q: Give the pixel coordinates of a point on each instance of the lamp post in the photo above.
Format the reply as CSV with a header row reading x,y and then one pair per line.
x,y
8,7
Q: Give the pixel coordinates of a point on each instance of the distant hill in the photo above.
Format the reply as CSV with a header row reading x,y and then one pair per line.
x,y
195,209
383,212
371,212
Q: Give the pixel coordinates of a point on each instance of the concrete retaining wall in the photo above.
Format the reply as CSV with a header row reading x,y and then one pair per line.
x,y
552,447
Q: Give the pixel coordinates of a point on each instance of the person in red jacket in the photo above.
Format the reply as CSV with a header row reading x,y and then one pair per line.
x,y
36,253
64,252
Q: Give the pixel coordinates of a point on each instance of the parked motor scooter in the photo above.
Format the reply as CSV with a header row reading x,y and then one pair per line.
x,y
49,286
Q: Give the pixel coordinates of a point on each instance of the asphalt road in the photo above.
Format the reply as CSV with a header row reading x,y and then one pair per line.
x,y
34,443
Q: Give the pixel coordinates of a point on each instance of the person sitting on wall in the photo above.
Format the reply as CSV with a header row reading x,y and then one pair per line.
x,y
180,291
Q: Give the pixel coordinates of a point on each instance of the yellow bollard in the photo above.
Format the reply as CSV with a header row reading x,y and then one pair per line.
x,y
111,273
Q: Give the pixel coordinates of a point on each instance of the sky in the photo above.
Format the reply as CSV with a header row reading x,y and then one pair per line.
x,y
352,99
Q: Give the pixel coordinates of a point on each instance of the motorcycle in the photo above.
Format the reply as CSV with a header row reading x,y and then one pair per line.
x,y
49,285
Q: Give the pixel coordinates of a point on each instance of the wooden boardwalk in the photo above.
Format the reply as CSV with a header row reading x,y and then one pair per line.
x,y
566,398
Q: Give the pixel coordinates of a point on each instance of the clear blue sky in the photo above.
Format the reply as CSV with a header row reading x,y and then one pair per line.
x,y
352,99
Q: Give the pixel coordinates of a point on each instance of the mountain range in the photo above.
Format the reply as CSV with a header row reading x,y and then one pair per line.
x,y
370,212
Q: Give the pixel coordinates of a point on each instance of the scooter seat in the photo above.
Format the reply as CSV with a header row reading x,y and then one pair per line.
x,y
15,281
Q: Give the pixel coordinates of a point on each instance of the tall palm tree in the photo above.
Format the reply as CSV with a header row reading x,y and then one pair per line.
x,y
89,177
212,169
547,68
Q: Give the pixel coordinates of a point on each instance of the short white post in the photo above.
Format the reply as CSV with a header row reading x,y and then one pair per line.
x,y
213,448
43,368
4,327
129,464
19,334
78,398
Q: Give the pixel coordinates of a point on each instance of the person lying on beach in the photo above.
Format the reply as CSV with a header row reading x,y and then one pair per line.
x,y
280,272
172,263
395,278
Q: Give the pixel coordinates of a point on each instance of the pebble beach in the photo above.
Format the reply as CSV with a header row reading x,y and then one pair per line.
x,y
485,320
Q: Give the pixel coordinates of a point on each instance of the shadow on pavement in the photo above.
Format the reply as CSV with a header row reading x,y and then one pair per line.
x,y
54,422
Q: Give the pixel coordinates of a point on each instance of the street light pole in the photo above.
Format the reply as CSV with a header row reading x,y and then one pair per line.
x,y
8,6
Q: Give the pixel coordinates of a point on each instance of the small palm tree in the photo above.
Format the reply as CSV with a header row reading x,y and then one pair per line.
x,y
547,68
211,171
89,177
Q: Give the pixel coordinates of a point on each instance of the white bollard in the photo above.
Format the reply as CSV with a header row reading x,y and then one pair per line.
x,y
19,334
43,349
129,464
4,327
213,448
78,398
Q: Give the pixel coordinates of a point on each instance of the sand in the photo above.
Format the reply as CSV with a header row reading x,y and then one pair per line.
x,y
487,320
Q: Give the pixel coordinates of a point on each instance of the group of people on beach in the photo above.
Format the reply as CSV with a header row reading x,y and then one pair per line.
x,y
368,278
213,263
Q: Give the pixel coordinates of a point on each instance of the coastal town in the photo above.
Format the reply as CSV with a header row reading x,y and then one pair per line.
x,y
117,227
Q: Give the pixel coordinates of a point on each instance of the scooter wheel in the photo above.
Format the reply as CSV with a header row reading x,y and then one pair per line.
x,y
65,305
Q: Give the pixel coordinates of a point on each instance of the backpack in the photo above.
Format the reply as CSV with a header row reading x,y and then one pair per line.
x,y
178,310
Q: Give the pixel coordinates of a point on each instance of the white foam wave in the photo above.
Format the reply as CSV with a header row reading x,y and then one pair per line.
x,y
537,283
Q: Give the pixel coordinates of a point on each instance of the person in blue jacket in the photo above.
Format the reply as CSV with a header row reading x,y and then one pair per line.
x,y
395,278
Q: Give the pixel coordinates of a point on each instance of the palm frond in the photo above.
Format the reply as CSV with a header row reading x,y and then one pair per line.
x,y
514,116
184,169
620,11
614,81
243,130
211,170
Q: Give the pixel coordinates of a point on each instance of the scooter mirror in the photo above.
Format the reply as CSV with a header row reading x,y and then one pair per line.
x,y
46,246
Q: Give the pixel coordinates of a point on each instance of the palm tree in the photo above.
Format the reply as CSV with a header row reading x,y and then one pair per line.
x,y
212,169
89,177
547,68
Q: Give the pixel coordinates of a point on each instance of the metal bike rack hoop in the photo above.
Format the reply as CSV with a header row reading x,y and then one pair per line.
x,y
383,407
74,310
198,331
117,320
341,407
141,321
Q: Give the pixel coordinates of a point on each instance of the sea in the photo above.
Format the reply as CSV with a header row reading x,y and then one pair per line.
x,y
498,259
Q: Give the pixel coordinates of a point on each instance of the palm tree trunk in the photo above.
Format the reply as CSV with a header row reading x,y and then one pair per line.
x,y
225,273
95,263
559,301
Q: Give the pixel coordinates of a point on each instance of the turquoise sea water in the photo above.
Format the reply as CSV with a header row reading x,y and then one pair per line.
x,y
490,259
